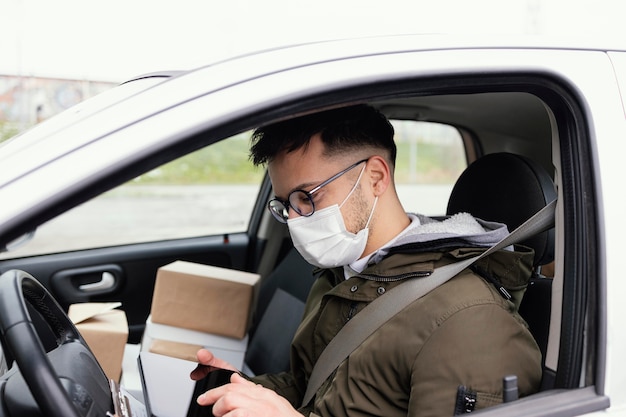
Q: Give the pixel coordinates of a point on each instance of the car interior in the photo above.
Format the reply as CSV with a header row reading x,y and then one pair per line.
x,y
523,144
512,139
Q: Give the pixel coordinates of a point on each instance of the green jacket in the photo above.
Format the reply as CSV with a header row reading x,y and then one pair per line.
x,y
463,333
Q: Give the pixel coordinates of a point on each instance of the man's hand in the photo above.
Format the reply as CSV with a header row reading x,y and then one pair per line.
x,y
205,357
245,398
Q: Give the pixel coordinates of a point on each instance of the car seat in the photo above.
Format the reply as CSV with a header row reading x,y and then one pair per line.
x,y
280,306
509,189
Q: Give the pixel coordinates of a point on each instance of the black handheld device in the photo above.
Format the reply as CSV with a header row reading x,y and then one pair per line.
x,y
214,377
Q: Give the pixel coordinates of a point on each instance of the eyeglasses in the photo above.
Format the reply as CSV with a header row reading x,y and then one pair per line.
x,y
302,201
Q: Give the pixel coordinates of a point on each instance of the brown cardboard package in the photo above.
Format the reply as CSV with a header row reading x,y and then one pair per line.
x,y
204,298
178,350
105,330
182,343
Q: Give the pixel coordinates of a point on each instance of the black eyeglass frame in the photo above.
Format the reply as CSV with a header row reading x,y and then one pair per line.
x,y
282,218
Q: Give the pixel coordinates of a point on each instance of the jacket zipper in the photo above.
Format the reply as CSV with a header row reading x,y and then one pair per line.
x,y
352,310
378,278
400,277
491,279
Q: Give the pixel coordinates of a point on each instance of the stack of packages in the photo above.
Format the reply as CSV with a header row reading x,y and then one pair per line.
x,y
196,306
193,306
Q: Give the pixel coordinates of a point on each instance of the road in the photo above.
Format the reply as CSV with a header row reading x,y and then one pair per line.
x,y
150,213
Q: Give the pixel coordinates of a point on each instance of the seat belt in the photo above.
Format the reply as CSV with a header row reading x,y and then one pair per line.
x,y
379,311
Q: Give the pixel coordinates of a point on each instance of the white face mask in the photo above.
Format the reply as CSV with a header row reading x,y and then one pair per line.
x,y
322,238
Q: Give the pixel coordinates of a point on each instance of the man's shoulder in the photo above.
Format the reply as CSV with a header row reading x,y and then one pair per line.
x,y
466,290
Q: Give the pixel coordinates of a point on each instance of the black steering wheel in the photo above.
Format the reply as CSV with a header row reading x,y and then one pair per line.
x,y
65,381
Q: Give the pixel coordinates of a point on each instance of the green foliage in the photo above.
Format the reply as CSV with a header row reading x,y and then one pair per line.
x,y
434,163
7,130
225,162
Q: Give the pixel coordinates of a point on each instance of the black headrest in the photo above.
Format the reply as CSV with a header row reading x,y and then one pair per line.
x,y
509,189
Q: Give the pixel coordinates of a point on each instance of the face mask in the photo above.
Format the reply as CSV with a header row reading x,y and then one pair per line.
x,y
322,238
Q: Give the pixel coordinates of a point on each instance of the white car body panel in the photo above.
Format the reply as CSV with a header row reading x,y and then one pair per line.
x,y
154,117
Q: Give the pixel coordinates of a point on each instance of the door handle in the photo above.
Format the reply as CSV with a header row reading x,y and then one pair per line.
x,y
107,281
80,284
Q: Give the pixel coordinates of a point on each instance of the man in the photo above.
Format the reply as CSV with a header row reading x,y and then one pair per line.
x,y
447,352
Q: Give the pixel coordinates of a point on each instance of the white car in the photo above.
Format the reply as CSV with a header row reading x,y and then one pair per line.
x,y
96,199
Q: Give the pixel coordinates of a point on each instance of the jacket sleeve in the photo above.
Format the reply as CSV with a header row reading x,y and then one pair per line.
x,y
473,348
284,385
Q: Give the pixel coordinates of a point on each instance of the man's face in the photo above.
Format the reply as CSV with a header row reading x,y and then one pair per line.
x,y
308,167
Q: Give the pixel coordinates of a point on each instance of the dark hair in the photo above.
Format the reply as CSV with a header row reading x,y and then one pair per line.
x,y
342,130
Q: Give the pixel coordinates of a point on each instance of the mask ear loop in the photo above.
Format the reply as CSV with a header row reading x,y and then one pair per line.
x,y
371,213
353,188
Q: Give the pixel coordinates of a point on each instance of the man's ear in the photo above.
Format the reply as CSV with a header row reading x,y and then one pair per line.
x,y
379,174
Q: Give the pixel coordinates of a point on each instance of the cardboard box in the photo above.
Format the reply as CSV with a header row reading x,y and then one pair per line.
x,y
182,343
178,350
204,298
105,330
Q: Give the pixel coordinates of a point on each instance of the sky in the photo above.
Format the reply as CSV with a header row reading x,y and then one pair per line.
x,y
117,39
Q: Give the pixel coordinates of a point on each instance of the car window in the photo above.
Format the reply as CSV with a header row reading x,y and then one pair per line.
x,y
213,191
431,156
208,192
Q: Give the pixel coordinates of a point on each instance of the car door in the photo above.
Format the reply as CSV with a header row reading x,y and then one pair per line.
x,y
200,208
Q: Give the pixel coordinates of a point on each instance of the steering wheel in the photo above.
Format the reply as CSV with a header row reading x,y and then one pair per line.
x,y
67,381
